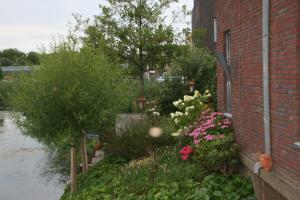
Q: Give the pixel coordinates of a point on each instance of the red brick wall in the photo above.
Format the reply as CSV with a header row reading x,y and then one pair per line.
x,y
244,19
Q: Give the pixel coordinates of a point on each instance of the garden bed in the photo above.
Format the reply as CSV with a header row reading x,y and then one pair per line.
x,y
195,158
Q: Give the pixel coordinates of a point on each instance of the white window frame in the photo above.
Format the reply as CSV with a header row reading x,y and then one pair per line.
x,y
215,30
228,46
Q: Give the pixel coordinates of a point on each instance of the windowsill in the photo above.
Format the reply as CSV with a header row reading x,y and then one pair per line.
x,y
228,115
296,145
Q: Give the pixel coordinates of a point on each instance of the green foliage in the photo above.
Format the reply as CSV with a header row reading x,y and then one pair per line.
x,y
5,88
72,91
15,57
163,94
198,64
1,74
171,91
189,110
161,176
228,188
135,142
33,58
135,31
218,156
161,167
12,57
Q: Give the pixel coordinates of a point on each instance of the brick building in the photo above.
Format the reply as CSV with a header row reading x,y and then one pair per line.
x,y
258,48
202,16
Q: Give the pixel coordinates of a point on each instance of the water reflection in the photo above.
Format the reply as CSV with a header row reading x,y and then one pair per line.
x,y
21,159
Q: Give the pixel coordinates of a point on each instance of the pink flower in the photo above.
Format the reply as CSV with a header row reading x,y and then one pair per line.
x,y
185,152
209,137
196,141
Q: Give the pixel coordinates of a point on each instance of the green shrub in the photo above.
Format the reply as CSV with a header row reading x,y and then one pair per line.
x,y
171,90
199,64
162,167
162,94
218,156
228,188
5,88
135,142
162,176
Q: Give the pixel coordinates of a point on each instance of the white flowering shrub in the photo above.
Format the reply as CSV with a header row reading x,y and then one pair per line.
x,y
189,110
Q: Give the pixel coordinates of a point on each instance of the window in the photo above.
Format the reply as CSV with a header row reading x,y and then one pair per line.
x,y
215,30
228,47
227,88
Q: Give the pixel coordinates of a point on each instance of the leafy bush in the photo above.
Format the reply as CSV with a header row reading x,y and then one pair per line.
x,y
5,88
171,90
135,142
214,146
162,94
163,166
70,92
218,156
228,188
161,176
199,64
189,110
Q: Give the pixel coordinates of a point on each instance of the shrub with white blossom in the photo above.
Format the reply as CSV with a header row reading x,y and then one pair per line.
x,y
189,109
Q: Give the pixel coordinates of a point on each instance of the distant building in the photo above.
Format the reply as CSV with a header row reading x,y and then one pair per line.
x,y
203,17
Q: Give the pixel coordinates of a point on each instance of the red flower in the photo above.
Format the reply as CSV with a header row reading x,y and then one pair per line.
x,y
185,152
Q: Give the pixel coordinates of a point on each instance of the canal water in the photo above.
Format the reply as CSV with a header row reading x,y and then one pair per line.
x,y
21,166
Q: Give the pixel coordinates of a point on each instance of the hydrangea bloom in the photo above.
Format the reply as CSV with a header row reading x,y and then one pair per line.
x,y
209,122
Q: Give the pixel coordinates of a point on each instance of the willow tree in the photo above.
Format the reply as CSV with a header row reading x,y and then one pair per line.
x,y
72,92
136,32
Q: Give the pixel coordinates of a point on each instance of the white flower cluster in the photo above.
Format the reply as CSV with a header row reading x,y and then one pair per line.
x,y
176,114
189,108
156,114
177,103
179,132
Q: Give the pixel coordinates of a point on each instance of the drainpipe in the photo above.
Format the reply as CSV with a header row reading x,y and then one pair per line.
x,y
221,59
265,158
266,77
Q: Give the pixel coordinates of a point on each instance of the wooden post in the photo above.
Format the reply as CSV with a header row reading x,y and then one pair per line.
x,y
83,153
73,169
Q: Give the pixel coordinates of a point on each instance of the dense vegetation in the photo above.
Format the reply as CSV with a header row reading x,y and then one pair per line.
x,y
197,162
161,176
15,57
84,82
72,93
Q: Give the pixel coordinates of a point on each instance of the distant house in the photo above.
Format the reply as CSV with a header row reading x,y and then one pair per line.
x,y
10,72
257,44
202,17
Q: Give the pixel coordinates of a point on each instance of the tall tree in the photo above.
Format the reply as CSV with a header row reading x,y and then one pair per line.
x,y
32,58
12,57
135,31
73,92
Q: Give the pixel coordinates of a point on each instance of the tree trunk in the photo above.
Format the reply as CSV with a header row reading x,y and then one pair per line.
x,y
142,85
83,153
73,169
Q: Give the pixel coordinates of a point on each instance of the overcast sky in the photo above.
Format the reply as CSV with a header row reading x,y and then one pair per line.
x,y
27,24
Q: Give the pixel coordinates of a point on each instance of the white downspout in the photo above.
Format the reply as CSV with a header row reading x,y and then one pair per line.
x,y
266,79
266,92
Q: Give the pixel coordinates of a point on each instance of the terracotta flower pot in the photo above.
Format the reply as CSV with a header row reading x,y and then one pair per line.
x,y
265,161
98,146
